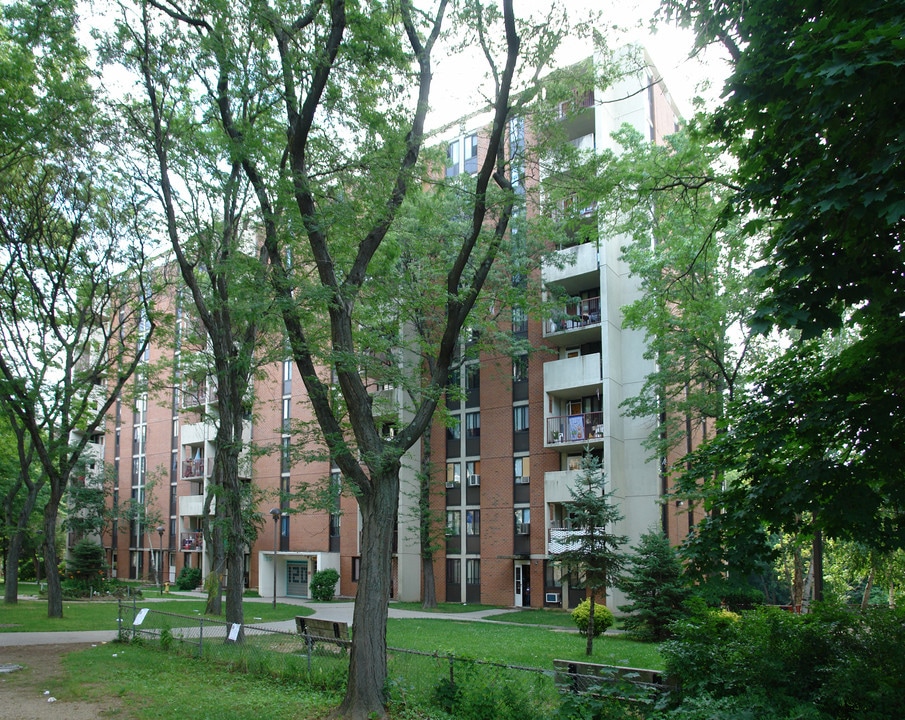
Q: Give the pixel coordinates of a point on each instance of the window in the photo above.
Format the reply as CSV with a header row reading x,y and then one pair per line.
x,y
453,523
472,376
334,524
453,430
523,521
573,462
473,472
453,477
287,404
452,159
287,370
453,571
471,153
519,320
473,572
522,470
520,368
472,522
520,418
472,425
285,455
356,569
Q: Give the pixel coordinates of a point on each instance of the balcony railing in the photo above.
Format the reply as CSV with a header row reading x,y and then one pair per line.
x,y
196,396
196,469
578,315
189,541
564,539
578,428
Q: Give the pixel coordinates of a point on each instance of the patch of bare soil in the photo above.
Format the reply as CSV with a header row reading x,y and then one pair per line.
x,y
35,692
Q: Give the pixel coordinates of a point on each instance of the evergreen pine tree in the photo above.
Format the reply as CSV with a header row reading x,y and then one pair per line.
x,y
655,585
593,549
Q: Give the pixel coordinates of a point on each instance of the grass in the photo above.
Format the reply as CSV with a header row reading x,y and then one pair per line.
x,y
533,646
152,685
31,615
445,607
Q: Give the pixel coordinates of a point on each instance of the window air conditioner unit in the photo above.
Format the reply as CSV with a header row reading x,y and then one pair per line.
x,y
474,479
552,598
522,480
452,484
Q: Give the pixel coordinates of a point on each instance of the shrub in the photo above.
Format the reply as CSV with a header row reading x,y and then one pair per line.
x,y
323,584
829,663
603,617
189,578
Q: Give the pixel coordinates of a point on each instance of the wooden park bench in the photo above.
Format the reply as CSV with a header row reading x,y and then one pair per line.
x,y
329,631
584,677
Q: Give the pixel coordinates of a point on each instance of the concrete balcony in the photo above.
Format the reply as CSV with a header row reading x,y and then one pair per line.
x,y
571,263
557,485
191,541
197,469
574,430
192,506
573,377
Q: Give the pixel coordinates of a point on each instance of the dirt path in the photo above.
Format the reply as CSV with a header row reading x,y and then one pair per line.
x,y
22,693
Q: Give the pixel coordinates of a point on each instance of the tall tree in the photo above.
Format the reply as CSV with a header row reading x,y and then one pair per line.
x,y
189,168
76,323
592,550
812,117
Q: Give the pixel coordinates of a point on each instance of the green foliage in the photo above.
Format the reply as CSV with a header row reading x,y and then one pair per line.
x,y
654,582
813,433
323,584
603,617
829,663
478,693
86,569
189,578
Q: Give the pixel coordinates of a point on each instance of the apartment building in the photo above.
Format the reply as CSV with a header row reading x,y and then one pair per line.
x,y
503,467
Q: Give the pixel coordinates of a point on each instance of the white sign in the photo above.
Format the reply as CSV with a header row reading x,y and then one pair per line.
x,y
234,632
140,617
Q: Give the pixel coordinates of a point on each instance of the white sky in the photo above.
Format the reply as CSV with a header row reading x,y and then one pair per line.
x,y
669,48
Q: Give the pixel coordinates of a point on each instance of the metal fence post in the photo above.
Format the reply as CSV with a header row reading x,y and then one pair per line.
x,y
200,637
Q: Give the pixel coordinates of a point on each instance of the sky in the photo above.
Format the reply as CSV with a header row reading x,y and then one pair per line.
x,y
669,48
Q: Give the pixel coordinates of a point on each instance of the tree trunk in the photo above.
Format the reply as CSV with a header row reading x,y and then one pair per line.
x,y
51,562
589,647
16,543
365,698
426,526
797,577
14,552
865,598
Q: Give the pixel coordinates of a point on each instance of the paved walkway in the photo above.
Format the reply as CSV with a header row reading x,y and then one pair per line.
x,y
338,611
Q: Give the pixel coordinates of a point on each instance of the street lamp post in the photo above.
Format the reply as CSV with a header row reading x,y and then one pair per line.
x,y
160,559
275,514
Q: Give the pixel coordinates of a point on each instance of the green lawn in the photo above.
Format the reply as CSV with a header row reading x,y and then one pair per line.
x,y
31,615
534,646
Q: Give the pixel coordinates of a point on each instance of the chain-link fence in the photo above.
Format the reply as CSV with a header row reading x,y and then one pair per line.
x,y
462,687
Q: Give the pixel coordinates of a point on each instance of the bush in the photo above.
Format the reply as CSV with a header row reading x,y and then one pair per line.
x,y
323,584
603,617
189,578
829,663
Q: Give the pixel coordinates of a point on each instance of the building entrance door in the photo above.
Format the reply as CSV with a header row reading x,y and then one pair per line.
x,y
297,579
522,584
